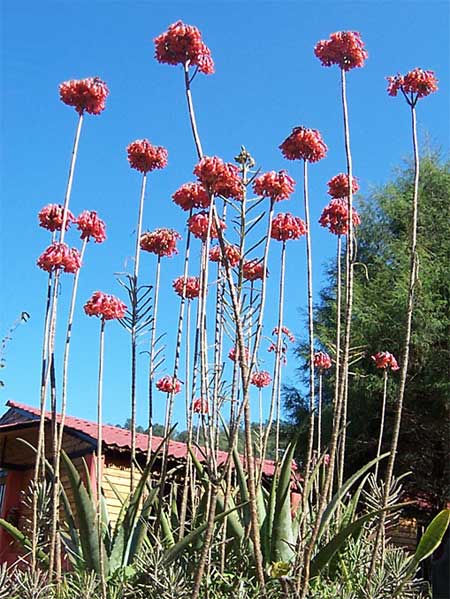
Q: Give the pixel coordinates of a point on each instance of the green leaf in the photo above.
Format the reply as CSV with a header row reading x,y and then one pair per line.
x,y
282,534
23,540
431,539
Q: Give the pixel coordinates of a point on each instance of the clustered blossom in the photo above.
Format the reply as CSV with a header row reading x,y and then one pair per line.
x,y
344,48
233,354
91,225
261,379
182,44
189,287
191,195
338,186
219,178
85,95
105,306
252,270
276,186
417,82
286,336
145,157
200,406
284,331
384,359
51,217
304,144
286,226
60,255
198,226
232,253
162,242
169,384
322,360
335,217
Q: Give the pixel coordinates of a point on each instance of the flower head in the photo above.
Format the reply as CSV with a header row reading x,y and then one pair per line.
x,y
232,254
198,226
338,186
91,225
182,44
286,226
191,195
85,95
162,242
304,144
322,360
219,178
189,287
169,384
51,217
105,306
335,217
261,379
233,354
200,406
284,331
384,359
60,255
252,270
344,48
277,186
417,82
144,157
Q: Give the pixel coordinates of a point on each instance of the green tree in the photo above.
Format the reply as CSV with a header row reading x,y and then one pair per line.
x,y
381,278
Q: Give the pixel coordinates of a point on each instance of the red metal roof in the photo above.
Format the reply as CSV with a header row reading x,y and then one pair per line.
x,y
113,436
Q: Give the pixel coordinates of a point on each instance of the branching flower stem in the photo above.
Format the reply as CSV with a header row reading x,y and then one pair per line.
x,y
383,412
152,357
100,458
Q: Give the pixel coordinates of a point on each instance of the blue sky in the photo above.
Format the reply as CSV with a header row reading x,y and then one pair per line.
x,y
267,81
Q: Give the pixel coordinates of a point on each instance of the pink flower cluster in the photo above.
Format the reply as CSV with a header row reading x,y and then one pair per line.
x,y
232,253
85,95
189,287
105,306
182,44
286,226
322,360
91,225
162,242
233,354
145,157
261,379
191,195
338,186
198,226
51,217
384,359
219,178
253,270
344,48
304,144
200,406
417,82
284,331
59,255
335,217
276,186
168,384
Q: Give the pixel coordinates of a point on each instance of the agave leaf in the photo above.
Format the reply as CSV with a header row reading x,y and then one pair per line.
x,y
23,540
140,529
282,533
431,539
266,528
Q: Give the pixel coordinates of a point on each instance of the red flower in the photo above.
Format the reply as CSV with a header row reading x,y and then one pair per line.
x,y
322,360
286,226
232,254
85,94
105,306
253,270
335,217
233,354
182,44
284,331
91,225
144,157
200,406
261,379
419,82
198,226
304,144
344,48
277,186
220,178
384,359
168,384
162,242
59,255
189,287
338,186
191,195
51,217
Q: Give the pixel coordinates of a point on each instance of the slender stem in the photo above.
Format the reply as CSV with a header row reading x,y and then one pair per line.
x,y
206,542
192,118
383,411
100,458
319,416
70,177
152,358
